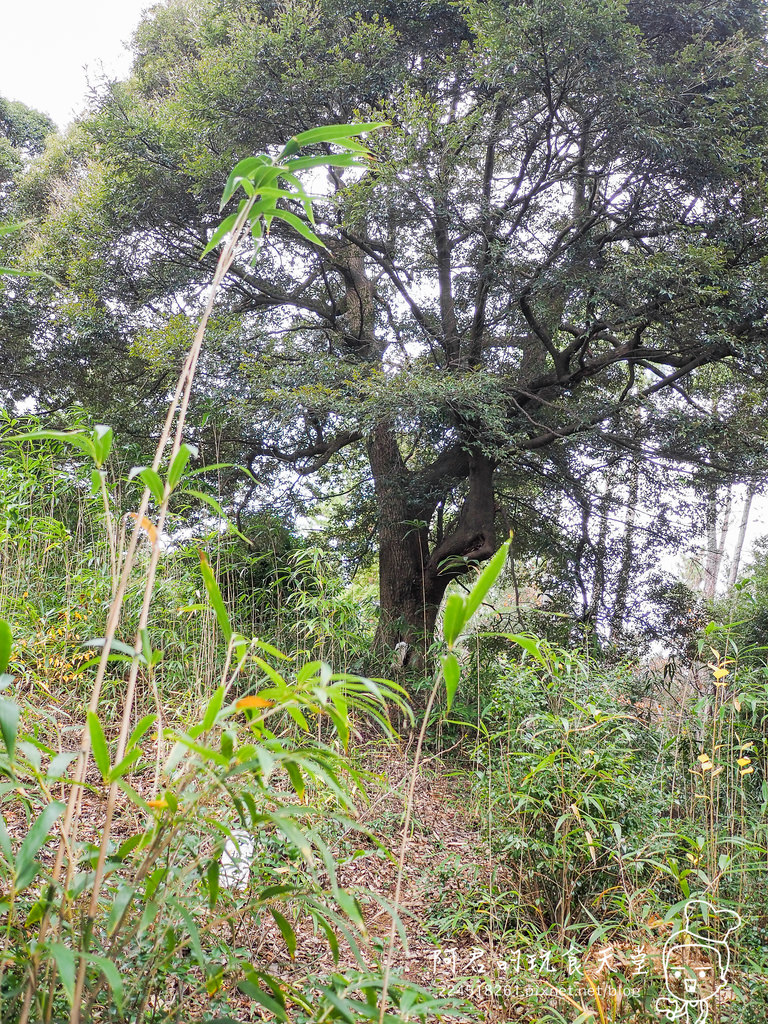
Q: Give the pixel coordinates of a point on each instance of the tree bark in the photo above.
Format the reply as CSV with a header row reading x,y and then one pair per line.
x,y
733,575
715,542
413,575
625,569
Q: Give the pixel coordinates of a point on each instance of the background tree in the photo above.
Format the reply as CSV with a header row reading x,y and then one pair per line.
x,y
23,132
564,225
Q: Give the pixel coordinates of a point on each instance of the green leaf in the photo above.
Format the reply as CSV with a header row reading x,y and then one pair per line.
x,y
220,233
208,499
346,1008
112,975
179,464
10,228
487,578
351,907
15,272
124,766
59,764
211,712
6,642
289,936
120,902
454,618
214,596
98,745
241,170
5,841
97,476
300,227
193,932
264,177
73,437
337,160
264,646
133,796
451,674
275,890
116,645
212,876
258,995
151,479
297,779
26,866
334,132
9,725
140,729
531,644
102,438
64,959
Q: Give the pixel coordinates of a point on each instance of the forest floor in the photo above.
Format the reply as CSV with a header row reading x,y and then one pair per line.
x,y
451,904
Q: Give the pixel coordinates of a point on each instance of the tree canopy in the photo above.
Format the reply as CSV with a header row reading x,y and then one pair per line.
x,y
564,226
22,135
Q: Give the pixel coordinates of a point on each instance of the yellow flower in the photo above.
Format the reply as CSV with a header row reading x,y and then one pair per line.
x,y
157,805
742,762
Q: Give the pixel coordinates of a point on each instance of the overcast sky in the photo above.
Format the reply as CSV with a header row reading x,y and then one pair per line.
x,y
51,49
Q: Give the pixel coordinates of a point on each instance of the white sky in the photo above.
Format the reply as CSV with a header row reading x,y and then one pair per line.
x,y
50,49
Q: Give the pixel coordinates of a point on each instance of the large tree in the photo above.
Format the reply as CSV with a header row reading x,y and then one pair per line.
x,y
565,222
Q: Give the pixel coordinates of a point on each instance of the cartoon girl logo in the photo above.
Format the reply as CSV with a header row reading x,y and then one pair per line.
x,y
696,965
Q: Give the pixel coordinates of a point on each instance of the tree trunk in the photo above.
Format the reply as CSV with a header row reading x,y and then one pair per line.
x,y
733,575
715,542
625,569
413,577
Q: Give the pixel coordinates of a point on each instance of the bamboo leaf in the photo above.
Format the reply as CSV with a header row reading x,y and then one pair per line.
x,y
124,766
179,464
26,866
151,479
334,132
289,936
302,163
116,645
5,841
73,437
258,995
64,958
297,779
212,876
214,596
214,706
112,975
300,227
454,618
487,578
241,170
220,233
9,725
98,745
101,438
451,674
6,642
13,227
